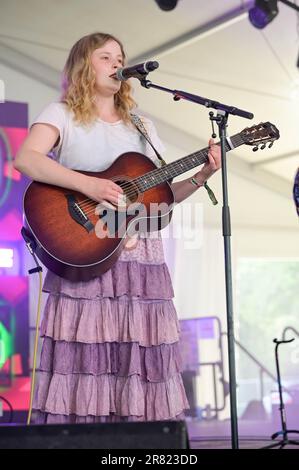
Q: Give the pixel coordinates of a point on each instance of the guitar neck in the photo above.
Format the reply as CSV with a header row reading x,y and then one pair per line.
x,y
171,170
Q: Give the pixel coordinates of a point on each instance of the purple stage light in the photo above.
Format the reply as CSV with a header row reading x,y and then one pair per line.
x,y
167,5
263,13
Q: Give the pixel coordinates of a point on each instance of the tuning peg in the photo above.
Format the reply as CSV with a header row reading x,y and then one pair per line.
x,y
255,148
270,145
263,146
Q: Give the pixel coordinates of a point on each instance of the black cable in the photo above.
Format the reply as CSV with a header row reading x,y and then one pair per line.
x,y
290,4
10,408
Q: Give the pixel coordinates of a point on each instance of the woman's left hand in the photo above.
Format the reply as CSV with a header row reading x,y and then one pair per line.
x,y
212,165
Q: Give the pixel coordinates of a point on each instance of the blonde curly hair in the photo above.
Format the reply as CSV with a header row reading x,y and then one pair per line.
x,y
79,81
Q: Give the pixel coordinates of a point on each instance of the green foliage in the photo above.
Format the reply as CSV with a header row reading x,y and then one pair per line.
x,y
267,301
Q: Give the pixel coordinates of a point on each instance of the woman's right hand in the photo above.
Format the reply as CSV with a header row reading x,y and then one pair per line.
x,y
103,190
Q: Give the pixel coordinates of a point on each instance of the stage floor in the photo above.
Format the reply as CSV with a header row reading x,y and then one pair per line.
x,y
216,434
244,443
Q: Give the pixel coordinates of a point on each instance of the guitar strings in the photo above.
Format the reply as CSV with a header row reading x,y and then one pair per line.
x,y
89,205
153,173
85,203
175,165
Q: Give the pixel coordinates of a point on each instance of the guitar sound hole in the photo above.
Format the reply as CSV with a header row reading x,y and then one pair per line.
x,y
130,190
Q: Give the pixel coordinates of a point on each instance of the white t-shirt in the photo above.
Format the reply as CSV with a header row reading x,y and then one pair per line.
x,y
95,147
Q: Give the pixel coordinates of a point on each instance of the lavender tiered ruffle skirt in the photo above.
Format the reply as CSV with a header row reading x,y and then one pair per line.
x,y
111,345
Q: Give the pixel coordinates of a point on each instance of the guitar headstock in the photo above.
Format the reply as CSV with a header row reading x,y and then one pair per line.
x,y
260,134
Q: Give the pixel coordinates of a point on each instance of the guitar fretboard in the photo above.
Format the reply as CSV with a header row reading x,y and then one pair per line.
x,y
171,170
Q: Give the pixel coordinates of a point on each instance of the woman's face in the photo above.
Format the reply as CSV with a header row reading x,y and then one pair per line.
x,y
105,60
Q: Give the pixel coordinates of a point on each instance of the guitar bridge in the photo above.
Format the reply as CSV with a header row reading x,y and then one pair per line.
x,y
78,214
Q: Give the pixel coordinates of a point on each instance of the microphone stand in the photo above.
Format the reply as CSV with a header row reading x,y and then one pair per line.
x,y
223,111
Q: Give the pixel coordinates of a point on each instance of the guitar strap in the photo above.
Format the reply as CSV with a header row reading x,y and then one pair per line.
x,y
140,127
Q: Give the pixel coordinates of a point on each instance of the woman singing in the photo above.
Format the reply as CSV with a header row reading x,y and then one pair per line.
x,y
110,345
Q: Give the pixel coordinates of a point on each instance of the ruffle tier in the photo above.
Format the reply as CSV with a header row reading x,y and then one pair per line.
x,y
154,364
88,395
110,320
131,278
40,417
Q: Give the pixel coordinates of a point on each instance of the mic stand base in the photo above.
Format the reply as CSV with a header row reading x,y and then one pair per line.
x,y
284,432
283,442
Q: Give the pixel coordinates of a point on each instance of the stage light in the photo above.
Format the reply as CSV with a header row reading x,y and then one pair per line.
x,y
167,5
263,12
6,258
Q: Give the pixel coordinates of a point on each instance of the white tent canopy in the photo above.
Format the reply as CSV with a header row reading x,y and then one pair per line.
x,y
207,48
204,47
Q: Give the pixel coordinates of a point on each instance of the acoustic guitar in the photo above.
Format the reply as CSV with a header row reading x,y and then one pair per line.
x,y
78,238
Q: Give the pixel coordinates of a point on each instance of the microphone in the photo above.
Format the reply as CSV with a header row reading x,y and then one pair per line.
x,y
135,71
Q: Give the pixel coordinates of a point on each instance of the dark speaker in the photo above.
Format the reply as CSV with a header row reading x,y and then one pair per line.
x,y
149,435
